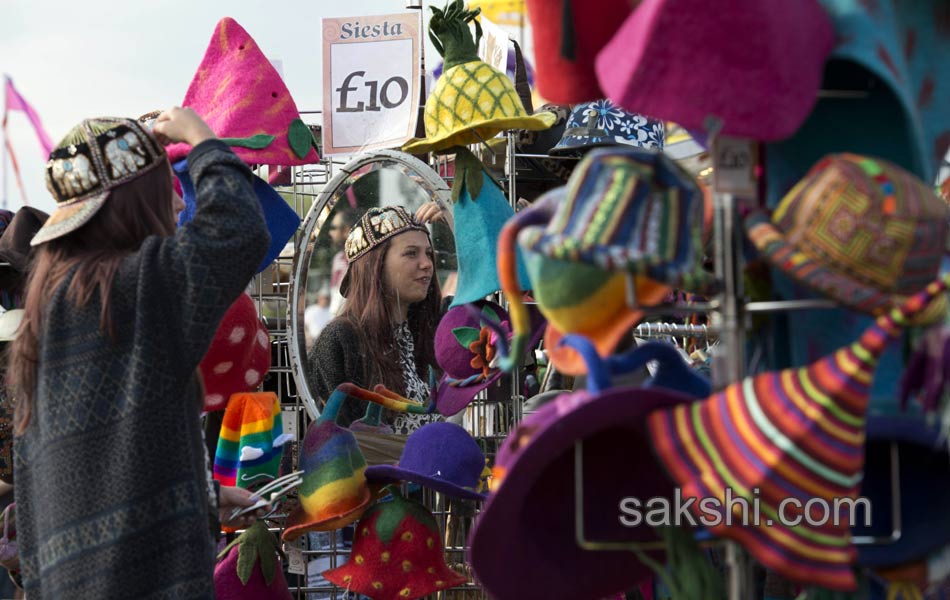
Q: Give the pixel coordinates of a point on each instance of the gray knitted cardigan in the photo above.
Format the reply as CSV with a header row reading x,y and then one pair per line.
x,y
111,480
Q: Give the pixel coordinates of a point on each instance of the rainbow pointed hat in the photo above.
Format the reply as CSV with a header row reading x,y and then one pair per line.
x,y
472,101
793,434
251,441
334,492
239,93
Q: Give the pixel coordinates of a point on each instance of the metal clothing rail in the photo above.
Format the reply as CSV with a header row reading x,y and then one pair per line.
x,y
653,330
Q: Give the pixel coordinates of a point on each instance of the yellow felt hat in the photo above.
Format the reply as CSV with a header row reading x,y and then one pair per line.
x,y
472,101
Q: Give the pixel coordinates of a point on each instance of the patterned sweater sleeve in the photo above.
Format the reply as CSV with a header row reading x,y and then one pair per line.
x,y
199,272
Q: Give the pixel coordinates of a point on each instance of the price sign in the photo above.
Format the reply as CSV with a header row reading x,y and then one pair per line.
x,y
371,81
734,162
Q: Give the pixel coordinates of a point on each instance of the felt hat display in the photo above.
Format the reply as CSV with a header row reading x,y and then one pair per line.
x,y
240,95
239,355
282,220
531,507
472,101
479,216
602,123
251,441
859,230
94,158
625,212
465,348
440,456
377,225
396,555
249,568
797,433
567,36
334,492
923,469
15,245
755,66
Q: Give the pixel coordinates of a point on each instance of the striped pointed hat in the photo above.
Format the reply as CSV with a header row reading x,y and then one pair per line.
x,y
793,434
251,441
334,492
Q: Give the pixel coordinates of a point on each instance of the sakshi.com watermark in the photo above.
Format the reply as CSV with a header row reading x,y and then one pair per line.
x,y
738,510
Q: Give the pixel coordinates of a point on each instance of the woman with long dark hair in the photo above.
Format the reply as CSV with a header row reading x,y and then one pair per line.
x,y
113,490
385,332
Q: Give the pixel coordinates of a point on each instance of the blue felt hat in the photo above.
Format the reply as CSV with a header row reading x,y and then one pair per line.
x,y
282,220
439,456
478,223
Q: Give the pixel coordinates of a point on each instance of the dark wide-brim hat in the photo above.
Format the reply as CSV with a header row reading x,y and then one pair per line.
x,y
530,510
15,245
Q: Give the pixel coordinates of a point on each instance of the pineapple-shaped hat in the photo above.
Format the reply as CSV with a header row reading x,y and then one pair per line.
x,y
472,101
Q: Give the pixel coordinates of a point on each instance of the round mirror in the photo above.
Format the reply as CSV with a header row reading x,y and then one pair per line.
x,y
380,178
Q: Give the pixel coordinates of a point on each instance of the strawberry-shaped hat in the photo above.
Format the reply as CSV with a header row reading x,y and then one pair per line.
x,y
250,569
240,95
397,554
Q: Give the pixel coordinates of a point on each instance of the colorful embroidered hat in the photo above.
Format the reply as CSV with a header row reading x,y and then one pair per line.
x,y
282,220
334,491
472,101
602,123
755,66
567,36
251,568
465,348
397,554
440,456
792,434
625,212
377,225
239,355
859,230
533,488
251,441
241,96
94,158
479,215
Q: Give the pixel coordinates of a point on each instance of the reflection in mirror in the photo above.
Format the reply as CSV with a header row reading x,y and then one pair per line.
x,y
394,290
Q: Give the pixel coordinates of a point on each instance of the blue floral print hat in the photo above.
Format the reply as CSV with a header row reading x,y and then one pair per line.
x,y
603,123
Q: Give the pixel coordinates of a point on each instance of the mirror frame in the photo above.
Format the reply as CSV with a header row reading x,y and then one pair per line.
x,y
317,216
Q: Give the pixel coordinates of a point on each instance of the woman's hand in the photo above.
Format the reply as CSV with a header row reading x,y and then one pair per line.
x,y
181,125
432,211
230,498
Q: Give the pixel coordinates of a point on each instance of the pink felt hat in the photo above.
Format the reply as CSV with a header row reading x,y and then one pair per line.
x,y
757,66
239,93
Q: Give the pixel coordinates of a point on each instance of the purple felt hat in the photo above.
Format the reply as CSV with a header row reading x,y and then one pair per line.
x,y
530,510
465,348
439,456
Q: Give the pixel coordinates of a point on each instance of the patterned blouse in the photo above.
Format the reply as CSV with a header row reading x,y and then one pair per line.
x,y
416,388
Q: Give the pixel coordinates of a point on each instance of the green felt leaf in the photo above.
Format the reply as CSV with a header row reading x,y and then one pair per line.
x,y
257,542
466,335
247,558
255,142
391,515
300,138
489,314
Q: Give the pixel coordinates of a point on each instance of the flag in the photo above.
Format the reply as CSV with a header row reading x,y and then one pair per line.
x,y
14,101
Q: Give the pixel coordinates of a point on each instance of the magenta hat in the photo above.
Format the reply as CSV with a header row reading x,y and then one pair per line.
x,y
465,349
757,66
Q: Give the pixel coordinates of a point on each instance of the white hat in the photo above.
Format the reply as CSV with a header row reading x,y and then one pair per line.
x,y
9,324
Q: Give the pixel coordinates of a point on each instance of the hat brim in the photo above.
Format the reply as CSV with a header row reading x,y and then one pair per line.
x,y
837,285
538,490
478,132
392,474
299,523
69,218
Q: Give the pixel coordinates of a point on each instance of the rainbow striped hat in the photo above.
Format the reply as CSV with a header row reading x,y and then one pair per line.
x,y
794,434
334,492
251,441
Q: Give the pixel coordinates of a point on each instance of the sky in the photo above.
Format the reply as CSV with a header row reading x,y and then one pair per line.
x,y
73,60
